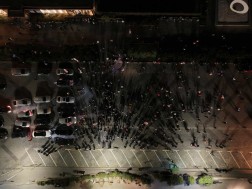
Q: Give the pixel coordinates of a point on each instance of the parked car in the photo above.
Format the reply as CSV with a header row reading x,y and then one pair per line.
x,y
3,133
41,133
21,102
44,110
68,120
44,67
27,113
65,99
63,130
23,123
42,99
5,109
66,110
20,131
43,119
20,71
43,127
64,71
65,81
3,83
1,121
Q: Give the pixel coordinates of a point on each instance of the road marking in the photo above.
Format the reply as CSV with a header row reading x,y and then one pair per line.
x,y
223,158
62,158
190,157
53,160
157,156
7,172
245,159
94,158
167,154
104,157
147,158
73,158
29,156
115,157
41,159
201,158
126,158
83,157
14,175
213,159
180,158
234,159
136,158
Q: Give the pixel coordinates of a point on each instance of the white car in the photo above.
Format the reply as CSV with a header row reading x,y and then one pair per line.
x,y
22,123
41,133
20,71
42,99
64,71
21,102
27,113
44,110
65,99
68,120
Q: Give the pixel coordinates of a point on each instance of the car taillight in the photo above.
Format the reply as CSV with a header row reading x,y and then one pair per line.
x,y
9,109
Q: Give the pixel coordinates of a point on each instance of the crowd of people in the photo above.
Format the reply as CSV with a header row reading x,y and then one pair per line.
x,y
147,110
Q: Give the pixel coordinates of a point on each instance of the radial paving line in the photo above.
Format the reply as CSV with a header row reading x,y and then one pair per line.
x,y
7,172
7,150
136,158
147,158
213,159
62,158
94,158
115,157
190,157
14,175
201,158
157,155
234,159
245,159
222,157
73,158
53,160
126,158
40,158
29,156
167,154
104,157
83,157
180,158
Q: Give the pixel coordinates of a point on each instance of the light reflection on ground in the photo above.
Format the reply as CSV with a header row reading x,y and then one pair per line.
x,y
227,184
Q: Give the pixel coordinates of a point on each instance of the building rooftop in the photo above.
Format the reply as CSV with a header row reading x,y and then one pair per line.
x,y
20,4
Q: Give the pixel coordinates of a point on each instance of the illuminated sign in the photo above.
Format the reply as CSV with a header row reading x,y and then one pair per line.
x,y
241,2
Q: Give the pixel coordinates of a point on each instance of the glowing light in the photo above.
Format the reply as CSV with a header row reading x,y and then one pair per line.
x,y
3,12
241,2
